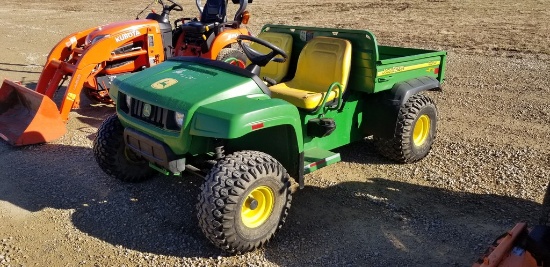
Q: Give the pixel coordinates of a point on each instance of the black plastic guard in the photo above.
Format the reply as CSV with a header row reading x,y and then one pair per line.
x,y
382,108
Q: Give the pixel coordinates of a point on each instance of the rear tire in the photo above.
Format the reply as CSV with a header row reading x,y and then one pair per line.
x,y
244,201
233,56
114,158
415,131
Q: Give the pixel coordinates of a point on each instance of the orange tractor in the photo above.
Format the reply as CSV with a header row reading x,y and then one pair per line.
x,y
522,246
93,58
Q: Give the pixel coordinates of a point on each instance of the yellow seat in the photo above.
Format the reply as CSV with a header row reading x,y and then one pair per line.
x,y
323,61
274,70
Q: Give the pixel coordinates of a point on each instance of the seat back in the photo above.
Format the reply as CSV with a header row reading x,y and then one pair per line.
x,y
214,11
323,61
274,70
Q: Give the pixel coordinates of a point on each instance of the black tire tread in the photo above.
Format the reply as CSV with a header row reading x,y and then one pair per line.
x,y
230,52
106,149
220,193
399,147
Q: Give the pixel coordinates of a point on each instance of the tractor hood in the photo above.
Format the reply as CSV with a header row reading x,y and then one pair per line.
x,y
185,83
119,30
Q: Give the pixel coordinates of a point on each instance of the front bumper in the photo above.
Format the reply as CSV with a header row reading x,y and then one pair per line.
x,y
153,151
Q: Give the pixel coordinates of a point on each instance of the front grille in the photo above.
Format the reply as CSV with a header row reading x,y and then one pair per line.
x,y
155,115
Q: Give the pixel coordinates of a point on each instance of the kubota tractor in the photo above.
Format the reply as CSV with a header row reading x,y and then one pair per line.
x,y
93,58
522,246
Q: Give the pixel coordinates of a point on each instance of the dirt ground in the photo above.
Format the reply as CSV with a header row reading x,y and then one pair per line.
x,y
488,168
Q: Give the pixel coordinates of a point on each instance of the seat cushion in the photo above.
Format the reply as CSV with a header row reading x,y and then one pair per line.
x,y
300,98
274,70
322,61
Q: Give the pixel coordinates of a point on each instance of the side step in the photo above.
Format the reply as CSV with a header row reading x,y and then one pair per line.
x,y
317,158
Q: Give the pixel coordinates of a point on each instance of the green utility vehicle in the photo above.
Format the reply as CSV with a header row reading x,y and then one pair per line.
x,y
305,92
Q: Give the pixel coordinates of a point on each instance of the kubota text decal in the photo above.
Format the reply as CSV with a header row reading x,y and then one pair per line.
x,y
127,35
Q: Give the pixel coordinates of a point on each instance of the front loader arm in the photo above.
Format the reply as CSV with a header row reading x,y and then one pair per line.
x,y
82,64
60,53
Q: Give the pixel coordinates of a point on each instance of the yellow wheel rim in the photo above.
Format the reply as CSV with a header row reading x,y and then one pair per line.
x,y
257,206
421,130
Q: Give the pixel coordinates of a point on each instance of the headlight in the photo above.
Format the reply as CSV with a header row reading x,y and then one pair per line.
x,y
179,118
97,38
128,101
87,41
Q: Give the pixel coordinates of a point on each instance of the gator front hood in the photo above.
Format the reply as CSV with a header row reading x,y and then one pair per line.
x,y
181,83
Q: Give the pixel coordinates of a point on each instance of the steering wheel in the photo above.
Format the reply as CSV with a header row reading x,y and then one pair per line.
x,y
257,57
175,6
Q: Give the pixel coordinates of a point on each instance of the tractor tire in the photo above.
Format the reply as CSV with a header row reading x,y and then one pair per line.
x,y
233,56
244,201
414,133
114,158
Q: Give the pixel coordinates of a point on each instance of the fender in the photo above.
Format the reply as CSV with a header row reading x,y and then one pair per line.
x,y
381,109
261,123
404,90
236,117
225,39
215,43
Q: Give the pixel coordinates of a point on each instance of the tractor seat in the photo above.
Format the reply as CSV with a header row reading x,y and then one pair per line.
x,y
213,14
274,70
214,11
323,61
197,27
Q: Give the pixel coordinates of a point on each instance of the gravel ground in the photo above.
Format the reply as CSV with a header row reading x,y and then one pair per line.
x,y
488,168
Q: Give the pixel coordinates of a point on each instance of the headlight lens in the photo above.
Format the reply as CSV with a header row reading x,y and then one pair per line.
x,y
97,38
128,101
179,118
87,41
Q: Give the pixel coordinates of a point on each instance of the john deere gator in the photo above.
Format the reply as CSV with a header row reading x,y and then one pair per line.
x,y
305,92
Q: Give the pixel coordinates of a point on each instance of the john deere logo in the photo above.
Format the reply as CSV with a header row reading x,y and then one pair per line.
x,y
147,110
164,83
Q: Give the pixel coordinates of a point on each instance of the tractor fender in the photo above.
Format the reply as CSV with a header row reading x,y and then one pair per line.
x,y
381,109
225,39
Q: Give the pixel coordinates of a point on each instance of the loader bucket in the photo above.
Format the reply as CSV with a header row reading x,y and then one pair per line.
x,y
28,117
